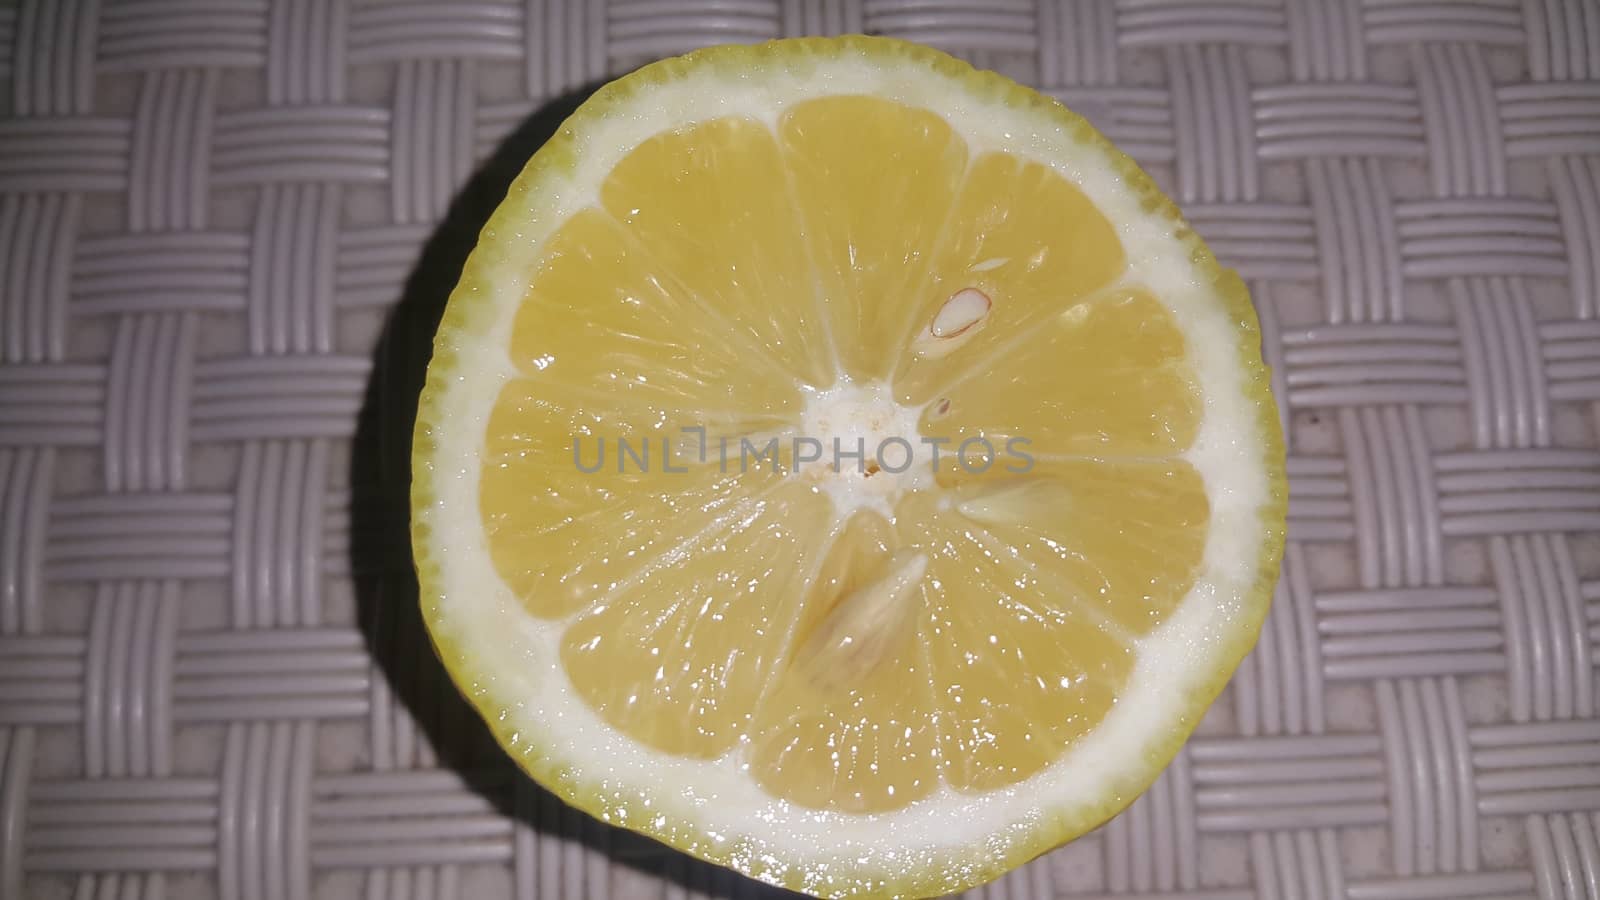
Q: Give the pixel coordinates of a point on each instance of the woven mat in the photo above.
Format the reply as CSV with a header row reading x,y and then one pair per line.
x,y
225,231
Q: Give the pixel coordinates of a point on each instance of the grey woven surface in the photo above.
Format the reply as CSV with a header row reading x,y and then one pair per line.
x,y
211,679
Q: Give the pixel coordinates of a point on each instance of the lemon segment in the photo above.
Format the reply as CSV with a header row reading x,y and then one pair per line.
x,y
713,208
1025,240
678,659
851,728
871,220
1120,384
1018,673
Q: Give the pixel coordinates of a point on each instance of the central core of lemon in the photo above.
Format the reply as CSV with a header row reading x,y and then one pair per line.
x,y
861,448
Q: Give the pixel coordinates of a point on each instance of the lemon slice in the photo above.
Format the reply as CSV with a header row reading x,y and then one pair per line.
x,y
844,466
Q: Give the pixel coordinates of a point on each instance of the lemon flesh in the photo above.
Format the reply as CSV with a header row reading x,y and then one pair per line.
x,y
843,678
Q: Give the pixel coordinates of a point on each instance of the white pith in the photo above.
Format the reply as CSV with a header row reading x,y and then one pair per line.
x,y
716,799
847,418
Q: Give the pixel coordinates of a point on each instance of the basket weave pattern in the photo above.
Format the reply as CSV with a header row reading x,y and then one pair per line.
x,y
225,230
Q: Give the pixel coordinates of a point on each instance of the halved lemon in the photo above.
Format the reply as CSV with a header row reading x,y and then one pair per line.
x,y
844,466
